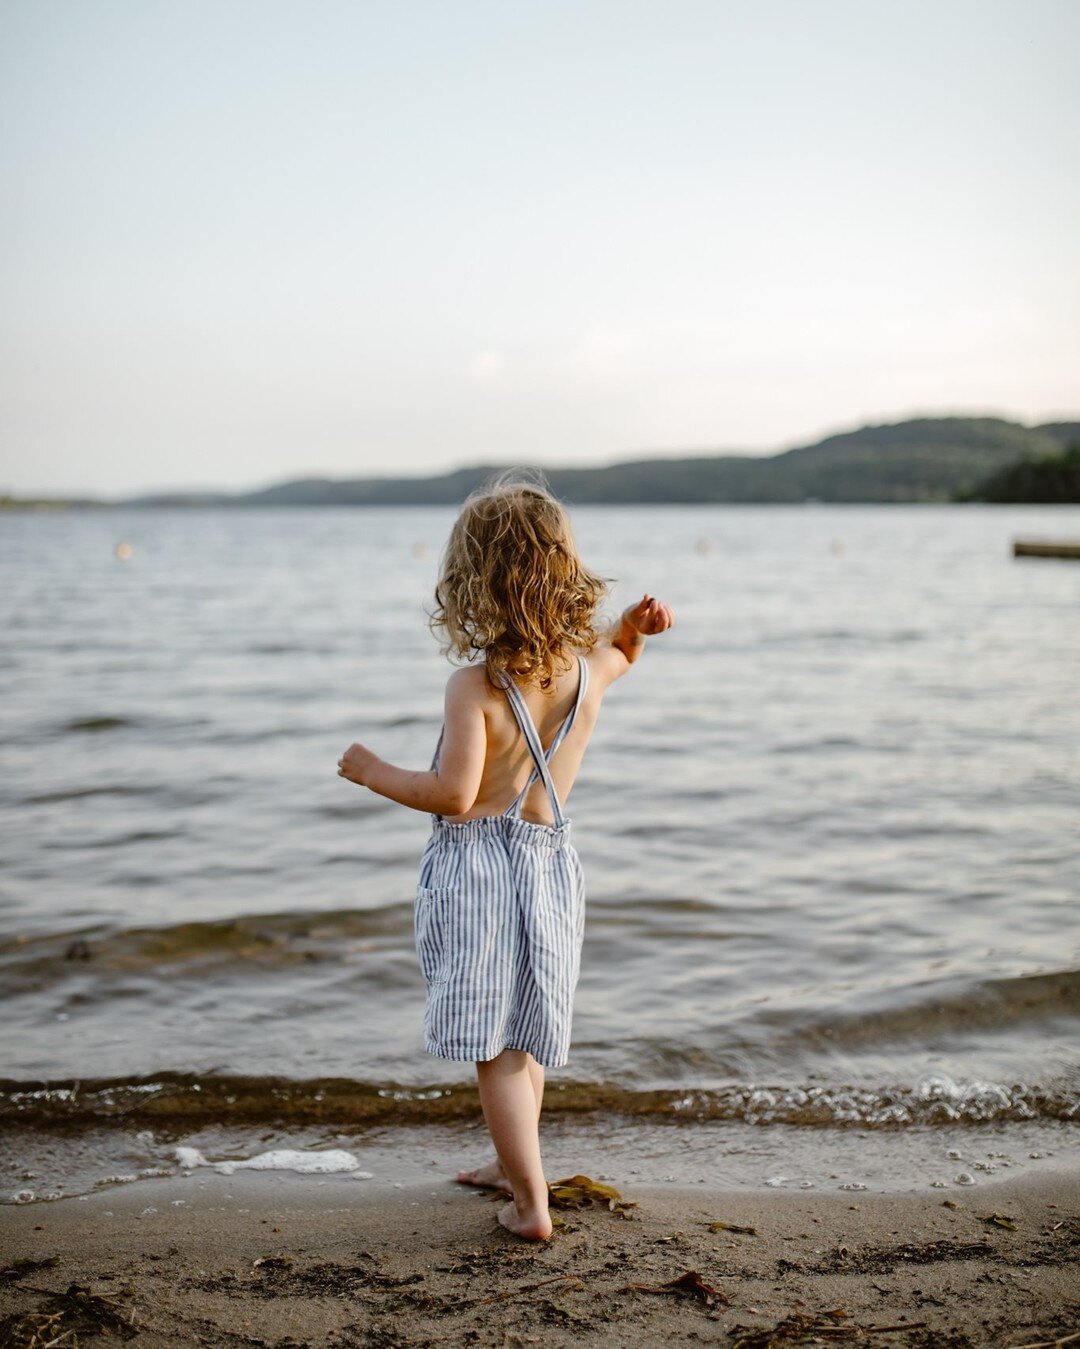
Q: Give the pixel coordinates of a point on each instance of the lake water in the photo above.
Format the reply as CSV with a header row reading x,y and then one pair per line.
x,y
829,827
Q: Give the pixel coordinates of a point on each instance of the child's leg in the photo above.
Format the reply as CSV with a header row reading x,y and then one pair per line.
x,y
493,1173
536,1076
508,1097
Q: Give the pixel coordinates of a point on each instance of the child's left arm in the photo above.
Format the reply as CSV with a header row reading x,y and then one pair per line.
x,y
451,788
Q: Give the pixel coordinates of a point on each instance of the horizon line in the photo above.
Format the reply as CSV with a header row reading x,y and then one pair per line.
x,y
640,456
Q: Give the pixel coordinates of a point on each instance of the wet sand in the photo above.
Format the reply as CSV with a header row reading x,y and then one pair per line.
x,y
281,1259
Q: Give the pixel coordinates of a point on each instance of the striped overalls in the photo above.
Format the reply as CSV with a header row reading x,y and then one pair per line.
x,y
499,921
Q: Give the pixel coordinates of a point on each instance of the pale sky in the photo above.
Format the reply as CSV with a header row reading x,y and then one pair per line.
x,y
247,240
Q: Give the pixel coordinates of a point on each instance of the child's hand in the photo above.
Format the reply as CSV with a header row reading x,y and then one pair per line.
x,y
355,764
649,616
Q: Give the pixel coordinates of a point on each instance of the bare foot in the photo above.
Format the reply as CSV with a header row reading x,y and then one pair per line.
x,y
491,1175
534,1225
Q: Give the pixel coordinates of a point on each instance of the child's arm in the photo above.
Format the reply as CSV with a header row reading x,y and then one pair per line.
x,y
451,788
644,619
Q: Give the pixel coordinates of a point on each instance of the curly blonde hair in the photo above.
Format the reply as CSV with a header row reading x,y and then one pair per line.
x,y
512,583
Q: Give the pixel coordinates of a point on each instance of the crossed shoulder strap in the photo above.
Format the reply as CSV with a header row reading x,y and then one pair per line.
x,y
532,740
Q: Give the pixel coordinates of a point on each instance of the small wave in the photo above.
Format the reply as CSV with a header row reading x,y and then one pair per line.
x,y
932,1010
154,725
187,1101
818,743
102,723
75,793
119,840
176,796
179,950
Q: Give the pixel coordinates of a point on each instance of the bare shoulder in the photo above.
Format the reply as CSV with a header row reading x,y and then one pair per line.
x,y
606,664
469,685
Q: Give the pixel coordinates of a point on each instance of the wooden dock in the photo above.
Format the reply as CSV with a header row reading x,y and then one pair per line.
x,y
1044,548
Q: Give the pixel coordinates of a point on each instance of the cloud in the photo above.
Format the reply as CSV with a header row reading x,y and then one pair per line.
x,y
486,366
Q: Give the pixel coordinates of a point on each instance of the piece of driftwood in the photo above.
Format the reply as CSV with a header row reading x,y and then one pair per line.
x,y
1040,548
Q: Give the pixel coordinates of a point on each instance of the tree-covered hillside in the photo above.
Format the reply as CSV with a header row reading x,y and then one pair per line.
x,y
927,459
922,459
1053,479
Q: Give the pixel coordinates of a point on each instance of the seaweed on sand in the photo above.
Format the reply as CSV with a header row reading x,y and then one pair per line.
x,y
801,1327
584,1192
63,1317
19,1269
690,1282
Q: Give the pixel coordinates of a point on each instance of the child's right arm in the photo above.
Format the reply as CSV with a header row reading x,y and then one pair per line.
x,y
449,789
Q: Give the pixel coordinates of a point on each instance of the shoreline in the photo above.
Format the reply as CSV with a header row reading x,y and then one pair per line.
x,y
44,1165
284,1259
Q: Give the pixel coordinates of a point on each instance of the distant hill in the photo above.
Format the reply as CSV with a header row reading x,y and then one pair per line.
x,y
180,498
925,459
922,459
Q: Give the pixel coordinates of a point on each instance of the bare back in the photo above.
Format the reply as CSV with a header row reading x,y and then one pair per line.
x,y
507,762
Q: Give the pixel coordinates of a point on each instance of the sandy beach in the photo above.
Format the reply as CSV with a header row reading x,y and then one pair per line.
x,y
288,1260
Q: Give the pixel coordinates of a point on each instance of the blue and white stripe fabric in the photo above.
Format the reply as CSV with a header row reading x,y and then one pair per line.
x,y
499,921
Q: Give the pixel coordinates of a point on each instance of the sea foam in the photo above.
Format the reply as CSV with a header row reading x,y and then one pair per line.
x,y
281,1159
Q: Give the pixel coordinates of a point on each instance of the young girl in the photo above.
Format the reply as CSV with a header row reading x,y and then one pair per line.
x,y
500,908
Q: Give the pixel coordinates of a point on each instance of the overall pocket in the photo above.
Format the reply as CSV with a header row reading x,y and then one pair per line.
x,y
432,933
